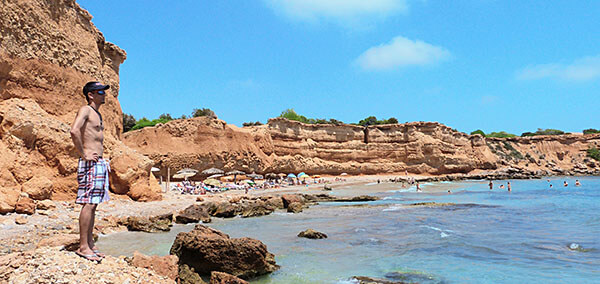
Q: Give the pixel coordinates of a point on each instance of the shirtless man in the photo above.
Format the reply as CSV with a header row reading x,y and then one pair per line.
x,y
92,172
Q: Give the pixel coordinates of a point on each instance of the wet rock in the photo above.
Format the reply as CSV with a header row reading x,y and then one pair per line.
x,y
162,265
412,277
257,208
577,247
370,280
160,223
294,207
275,202
187,275
25,205
193,214
222,209
217,277
205,249
291,198
360,198
312,234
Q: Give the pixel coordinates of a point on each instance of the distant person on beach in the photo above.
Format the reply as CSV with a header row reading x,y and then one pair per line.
x,y
92,171
418,187
508,185
577,183
501,186
565,184
550,185
491,185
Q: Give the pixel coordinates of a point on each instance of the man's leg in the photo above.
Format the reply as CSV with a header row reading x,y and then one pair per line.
x,y
85,222
91,242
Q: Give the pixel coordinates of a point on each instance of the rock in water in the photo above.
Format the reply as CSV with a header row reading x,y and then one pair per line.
x,y
217,277
312,234
574,246
205,249
193,214
294,207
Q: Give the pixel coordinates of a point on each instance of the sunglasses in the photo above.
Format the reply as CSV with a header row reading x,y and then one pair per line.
x,y
101,92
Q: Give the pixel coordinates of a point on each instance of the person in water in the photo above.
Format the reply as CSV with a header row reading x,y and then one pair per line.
x,y
565,184
418,187
491,185
508,184
577,183
501,186
550,185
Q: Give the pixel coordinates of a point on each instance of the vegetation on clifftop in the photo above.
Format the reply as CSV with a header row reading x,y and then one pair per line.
x,y
543,132
591,131
594,153
129,122
371,120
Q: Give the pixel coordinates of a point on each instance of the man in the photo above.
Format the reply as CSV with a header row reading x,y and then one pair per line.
x,y
92,172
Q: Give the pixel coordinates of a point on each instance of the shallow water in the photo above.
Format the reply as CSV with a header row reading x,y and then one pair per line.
x,y
489,237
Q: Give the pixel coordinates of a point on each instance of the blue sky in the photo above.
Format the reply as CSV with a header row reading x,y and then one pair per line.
x,y
480,64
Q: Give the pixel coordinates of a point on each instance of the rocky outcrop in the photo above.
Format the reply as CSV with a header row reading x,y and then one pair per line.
x,y
217,277
312,234
51,265
193,214
160,223
205,249
162,265
48,51
284,146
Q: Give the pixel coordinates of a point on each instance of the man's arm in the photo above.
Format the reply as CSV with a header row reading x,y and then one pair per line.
x,y
76,129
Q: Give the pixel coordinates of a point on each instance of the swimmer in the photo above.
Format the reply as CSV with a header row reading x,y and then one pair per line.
x,y
491,185
509,186
501,186
418,187
565,184
449,192
577,183
550,185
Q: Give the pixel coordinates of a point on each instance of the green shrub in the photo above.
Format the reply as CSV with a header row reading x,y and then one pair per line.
x,y
594,153
128,122
501,134
292,115
591,131
372,120
144,122
478,131
203,112
543,132
252,123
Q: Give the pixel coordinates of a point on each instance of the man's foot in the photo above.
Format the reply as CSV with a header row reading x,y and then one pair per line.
x,y
97,251
90,257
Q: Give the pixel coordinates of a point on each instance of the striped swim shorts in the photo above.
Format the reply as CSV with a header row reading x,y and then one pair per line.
x,y
93,181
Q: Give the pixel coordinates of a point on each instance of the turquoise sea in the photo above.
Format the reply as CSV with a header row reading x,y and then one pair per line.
x,y
493,236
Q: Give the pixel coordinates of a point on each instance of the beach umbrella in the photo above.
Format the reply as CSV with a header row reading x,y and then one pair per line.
x,y
282,175
301,174
255,176
316,176
215,176
212,171
291,175
153,169
187,170
184,175
271,176
212,181
248,181
305,176
343,174
234,173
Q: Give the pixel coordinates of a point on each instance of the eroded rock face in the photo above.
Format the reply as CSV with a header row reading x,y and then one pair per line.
x,y
217,277
162,265
205,249
160,223
284,146
48,51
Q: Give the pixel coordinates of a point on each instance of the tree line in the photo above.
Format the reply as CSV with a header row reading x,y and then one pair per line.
x,y
540,131
371,120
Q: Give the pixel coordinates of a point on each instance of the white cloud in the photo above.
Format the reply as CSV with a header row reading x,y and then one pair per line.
x,y
582,69
401,52
341,10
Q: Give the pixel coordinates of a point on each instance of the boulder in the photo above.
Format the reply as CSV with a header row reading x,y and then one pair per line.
x,y
25,205
217,277
160,223
21,220
257,208
162,265
224,210
294,207
312,234
38,188
291,198
45,205
68,242
8,199
275,202
193,214
205,249
187,275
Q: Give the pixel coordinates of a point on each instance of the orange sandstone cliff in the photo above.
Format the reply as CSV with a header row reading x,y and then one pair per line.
x,y
430,148
48,50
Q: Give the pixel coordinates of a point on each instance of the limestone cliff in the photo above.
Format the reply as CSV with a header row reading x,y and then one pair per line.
x,y
284,146
48,50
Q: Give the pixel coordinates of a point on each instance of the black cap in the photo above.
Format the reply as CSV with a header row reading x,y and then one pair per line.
x,y
94,86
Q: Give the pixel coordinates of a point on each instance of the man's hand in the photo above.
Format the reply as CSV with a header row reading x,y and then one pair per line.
x,y
91,157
